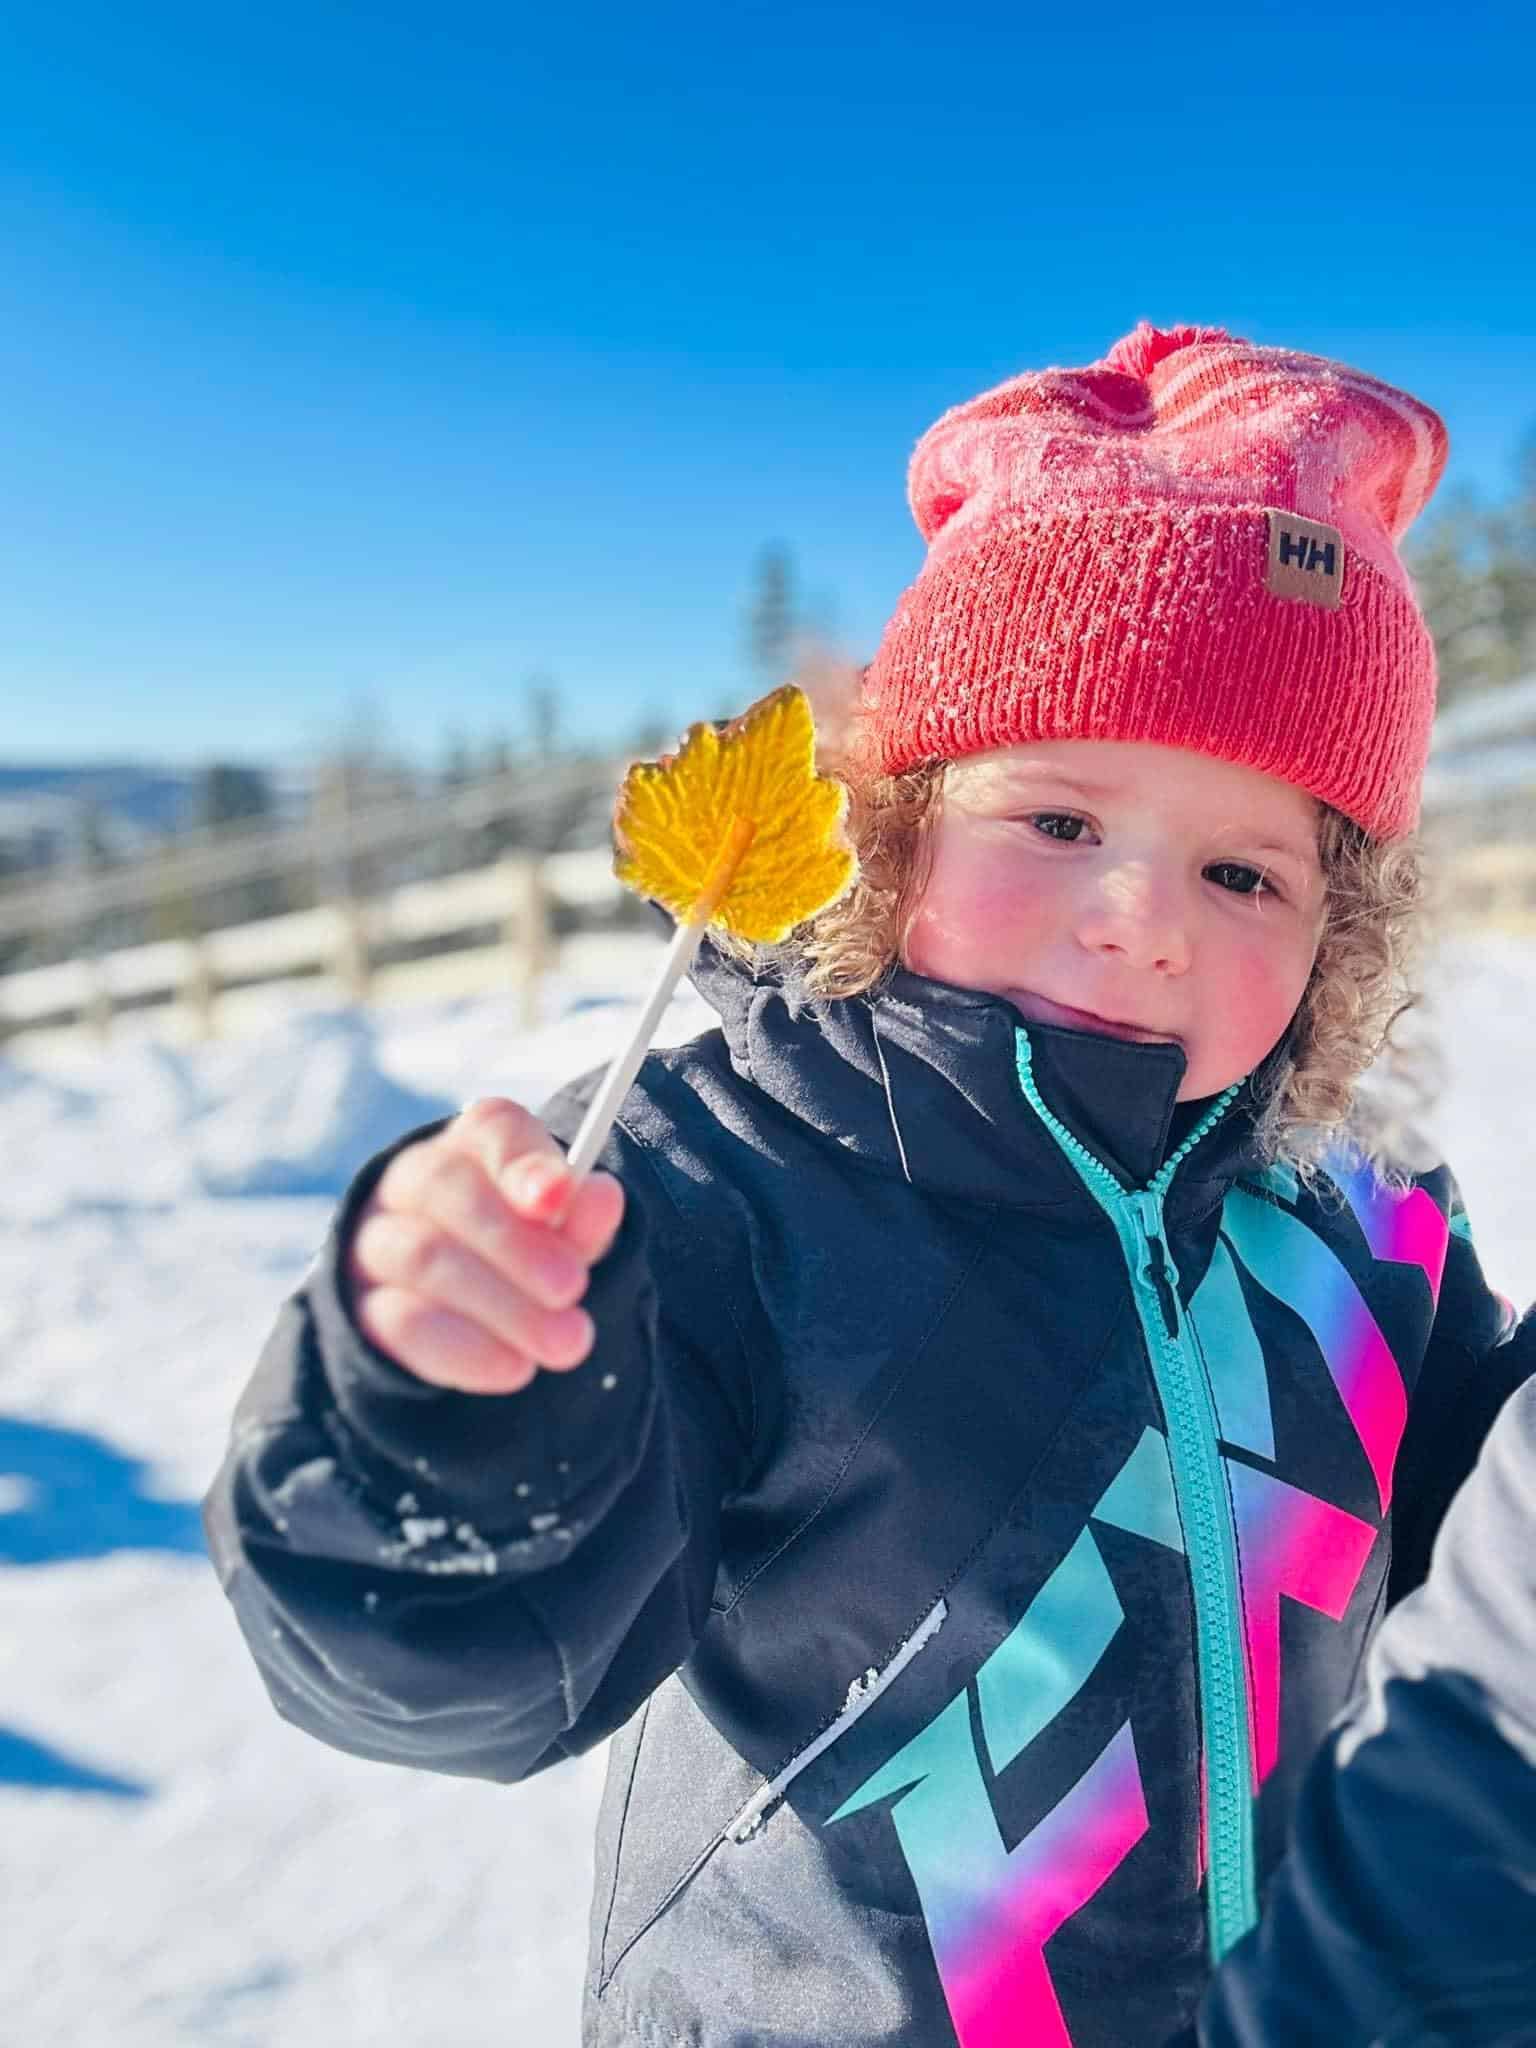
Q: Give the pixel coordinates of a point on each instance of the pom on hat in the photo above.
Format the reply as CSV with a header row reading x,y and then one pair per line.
x,y
1192,543
1139,352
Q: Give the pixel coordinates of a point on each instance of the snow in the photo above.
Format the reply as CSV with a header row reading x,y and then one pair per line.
x,y
179,1866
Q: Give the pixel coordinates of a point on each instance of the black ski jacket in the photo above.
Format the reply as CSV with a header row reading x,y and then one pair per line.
x,y
975,1510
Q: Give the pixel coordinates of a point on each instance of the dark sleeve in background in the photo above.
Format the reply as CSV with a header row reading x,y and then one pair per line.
x,y
1405,1912
1478,1353
478,1584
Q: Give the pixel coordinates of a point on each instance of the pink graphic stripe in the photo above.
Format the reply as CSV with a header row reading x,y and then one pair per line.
x,y
999,1991
1405,1228
1367,1376
1294,1544
1298,1268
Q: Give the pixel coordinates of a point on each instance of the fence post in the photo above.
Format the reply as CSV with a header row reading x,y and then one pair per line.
x,y
200,990
350,965
98,1001
526,929
87,929
1515,895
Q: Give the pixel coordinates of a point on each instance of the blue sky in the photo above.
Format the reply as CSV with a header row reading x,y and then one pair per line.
x,y
388,355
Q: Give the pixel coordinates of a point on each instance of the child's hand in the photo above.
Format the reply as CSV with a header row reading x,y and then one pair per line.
x,y
468,1260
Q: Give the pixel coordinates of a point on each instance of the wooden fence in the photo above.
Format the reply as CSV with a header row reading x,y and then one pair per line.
x,y
516,917
346,848
372,888
375,924
1486,885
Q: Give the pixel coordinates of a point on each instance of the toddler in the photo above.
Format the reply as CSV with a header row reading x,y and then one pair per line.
x,y
962,1446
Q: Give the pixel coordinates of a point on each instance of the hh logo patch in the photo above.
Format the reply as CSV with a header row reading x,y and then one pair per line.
x,y
1306,560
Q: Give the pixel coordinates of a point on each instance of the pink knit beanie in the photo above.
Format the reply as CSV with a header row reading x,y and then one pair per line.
x,y
1192,542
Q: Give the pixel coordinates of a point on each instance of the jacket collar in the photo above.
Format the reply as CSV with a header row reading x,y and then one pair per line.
x,y
920,1078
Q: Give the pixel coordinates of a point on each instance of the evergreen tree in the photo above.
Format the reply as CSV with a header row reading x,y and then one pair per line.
x,y
229,793
543,704
651,735
1512,570
1474,568
772,625
458,765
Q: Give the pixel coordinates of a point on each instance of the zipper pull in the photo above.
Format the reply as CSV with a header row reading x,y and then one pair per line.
x,y
1159,1267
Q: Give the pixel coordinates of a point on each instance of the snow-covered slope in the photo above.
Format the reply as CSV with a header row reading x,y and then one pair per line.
x,y
177,1866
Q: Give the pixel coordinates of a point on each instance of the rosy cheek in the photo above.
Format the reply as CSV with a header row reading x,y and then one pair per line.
x,y
963,921
999,894
1266,983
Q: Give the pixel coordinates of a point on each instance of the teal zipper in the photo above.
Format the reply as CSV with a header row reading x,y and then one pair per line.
x,y
1200,1489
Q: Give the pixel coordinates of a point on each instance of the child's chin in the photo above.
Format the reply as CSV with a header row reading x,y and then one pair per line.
x,y
1199,1084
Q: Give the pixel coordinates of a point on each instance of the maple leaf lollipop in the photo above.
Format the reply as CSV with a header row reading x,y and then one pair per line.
x,y
736,829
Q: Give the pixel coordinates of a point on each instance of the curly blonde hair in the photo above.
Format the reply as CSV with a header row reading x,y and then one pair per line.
x,y
1363,981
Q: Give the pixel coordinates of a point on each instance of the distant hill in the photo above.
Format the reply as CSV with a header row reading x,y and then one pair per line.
x,y
48,810
144,801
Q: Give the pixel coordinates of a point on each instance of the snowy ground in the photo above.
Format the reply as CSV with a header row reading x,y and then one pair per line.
x,y
177,1866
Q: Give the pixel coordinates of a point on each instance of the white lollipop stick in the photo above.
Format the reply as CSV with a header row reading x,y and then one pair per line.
x,y
618,1080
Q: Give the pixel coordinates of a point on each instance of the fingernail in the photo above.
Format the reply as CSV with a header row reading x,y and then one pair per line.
x,y
528,1180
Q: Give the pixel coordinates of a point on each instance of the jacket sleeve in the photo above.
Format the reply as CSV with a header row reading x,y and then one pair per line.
x,y
1478,1353
1405,1911
483,1584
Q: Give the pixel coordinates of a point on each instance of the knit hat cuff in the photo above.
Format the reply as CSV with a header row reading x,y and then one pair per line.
x,y
1154,623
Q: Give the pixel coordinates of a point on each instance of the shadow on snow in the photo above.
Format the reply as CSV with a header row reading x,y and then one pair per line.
x,y
66,1497
25,1762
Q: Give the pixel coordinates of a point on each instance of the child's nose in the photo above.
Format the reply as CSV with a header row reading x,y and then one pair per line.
x,y
1139,918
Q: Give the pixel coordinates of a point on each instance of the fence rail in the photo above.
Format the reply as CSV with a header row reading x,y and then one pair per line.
x,y
535,804
1488,885
510,919
517,912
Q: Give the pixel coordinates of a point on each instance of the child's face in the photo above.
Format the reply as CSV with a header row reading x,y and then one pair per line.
x,y
1140,891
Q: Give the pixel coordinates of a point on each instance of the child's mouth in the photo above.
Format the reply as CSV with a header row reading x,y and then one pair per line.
x,y
1041,1010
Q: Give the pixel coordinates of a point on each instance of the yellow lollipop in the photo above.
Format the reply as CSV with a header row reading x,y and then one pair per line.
x,y
754,786
736,829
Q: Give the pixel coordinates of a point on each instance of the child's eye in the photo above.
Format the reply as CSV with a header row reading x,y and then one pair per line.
x,y
1236,876
1241,879
1061,825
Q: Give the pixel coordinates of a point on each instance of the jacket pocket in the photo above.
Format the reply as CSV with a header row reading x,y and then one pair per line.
x,y
666,1808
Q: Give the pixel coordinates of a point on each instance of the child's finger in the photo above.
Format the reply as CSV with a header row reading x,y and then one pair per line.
x,y
450,1189
594,1216
541,1187
445,1349
410,1253
519,1154
491,1132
